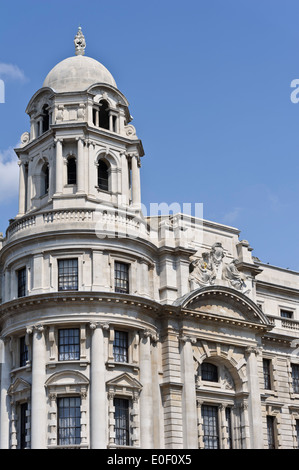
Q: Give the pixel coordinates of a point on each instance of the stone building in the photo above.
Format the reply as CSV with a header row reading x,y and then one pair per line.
x,y
121,330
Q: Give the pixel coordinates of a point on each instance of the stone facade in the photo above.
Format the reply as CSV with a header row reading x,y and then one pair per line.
x,y
148,332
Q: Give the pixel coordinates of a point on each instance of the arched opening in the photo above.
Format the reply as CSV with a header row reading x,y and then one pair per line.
x,y
71,170
104,114
209,372
103,175
45,179
45,118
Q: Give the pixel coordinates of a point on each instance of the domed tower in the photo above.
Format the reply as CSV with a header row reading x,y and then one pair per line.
x,y
82,315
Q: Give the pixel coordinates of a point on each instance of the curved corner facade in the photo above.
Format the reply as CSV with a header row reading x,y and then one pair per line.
x,y
125,331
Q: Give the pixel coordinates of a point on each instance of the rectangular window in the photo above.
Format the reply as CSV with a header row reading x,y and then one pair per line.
x,y
295,377
69,420
22,282
120,346
121,278
23,352
297,432
228,416
23,421
122,423
267,373
286,313
210,427
69,344
270,432
67,274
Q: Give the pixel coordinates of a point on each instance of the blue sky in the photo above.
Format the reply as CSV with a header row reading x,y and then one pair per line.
x,y
209,89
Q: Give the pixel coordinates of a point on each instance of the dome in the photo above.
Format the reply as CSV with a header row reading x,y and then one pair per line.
x,y
77,73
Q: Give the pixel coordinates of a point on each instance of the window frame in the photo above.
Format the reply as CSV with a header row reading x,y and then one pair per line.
x,y
64,276
126,428
77,428
22,282
122,355
295,377
69,344
117,288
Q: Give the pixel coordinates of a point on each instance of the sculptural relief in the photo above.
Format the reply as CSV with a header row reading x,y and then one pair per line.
x,y
209,269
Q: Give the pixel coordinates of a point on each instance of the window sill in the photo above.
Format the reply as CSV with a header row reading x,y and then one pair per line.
x,y
81,362
113,364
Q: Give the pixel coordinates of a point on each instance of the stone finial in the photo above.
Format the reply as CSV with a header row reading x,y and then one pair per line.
x,y
80,42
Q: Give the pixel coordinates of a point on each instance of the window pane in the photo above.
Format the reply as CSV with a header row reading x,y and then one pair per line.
x,y
22,282
68,274
228,416
71,171
286,313
270,432
69,420
23,421
121,421
120,346
267,374
297,432
295,377
121,278
23,352
69,344
209,372
210,427
103,177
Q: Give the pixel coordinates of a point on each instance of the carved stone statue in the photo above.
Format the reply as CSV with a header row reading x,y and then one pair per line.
x,y
80,42
209,269
233,275
202,271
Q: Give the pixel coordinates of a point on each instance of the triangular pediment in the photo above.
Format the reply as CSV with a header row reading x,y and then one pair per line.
x,y
223,302
125,381
19,386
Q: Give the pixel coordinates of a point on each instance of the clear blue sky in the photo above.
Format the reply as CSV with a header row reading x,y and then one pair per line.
x,y
209,89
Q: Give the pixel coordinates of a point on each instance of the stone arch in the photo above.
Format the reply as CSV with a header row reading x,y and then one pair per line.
x,y
223,355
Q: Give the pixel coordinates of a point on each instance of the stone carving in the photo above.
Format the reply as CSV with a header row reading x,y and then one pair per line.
x,y
209,269
25,137
233,275
80,42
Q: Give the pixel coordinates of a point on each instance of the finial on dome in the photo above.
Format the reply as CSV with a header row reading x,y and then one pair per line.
x,y
80,43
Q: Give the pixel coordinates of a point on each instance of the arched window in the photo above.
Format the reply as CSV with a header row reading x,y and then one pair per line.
x,y
71,171
209,372
46,118
45,179
104,114
103,175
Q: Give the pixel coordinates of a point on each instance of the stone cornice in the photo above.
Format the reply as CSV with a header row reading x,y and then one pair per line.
x,y
277,288
79,296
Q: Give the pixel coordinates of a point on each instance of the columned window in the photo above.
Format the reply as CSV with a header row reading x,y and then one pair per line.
x,y
103,175
122,421
69,421
45,179
210,427
71,170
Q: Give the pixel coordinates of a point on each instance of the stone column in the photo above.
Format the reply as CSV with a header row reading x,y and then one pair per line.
x,y
189,394
6,361
254,399
39,415
136,195
80,166
124,179
59,167
146,396
22,189
98,389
